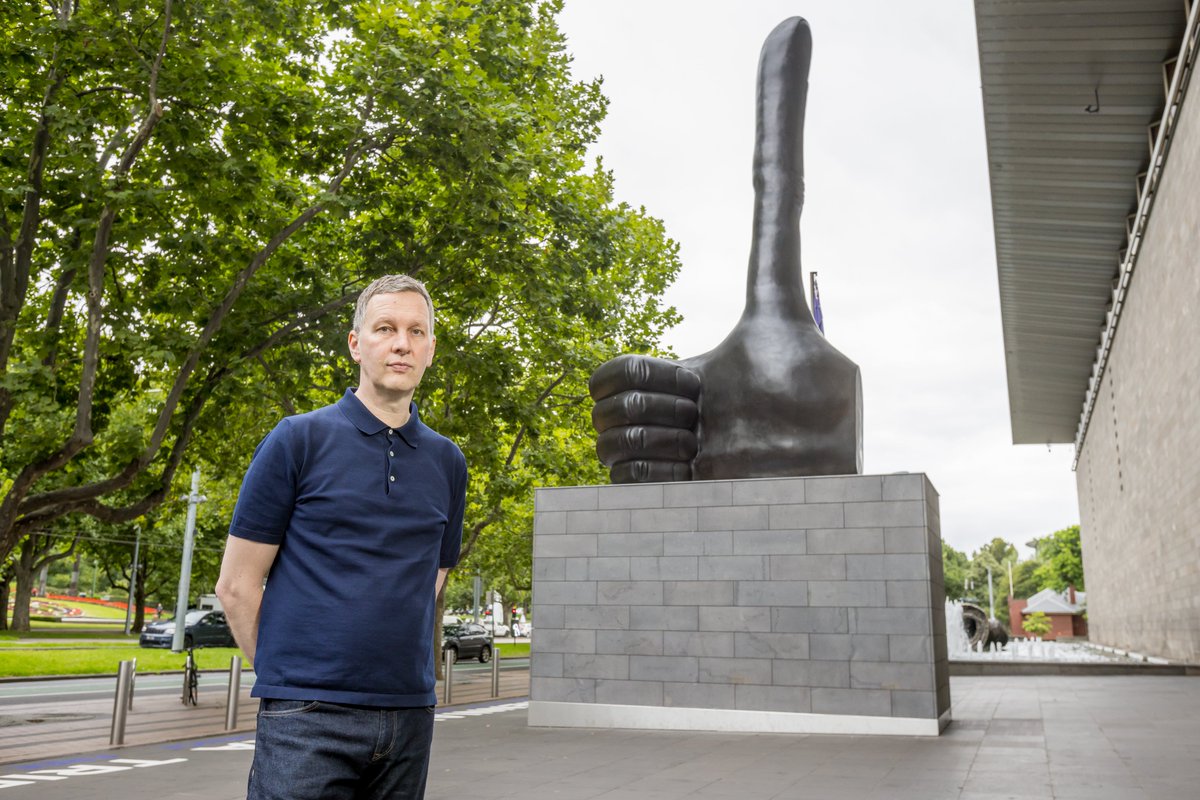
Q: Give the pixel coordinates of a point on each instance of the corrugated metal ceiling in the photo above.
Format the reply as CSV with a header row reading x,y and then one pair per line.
x,y
1063,179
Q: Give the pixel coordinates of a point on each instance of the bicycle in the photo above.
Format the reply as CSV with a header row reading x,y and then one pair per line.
x,y
191,680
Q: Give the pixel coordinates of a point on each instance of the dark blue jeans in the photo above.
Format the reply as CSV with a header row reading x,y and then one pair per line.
x,y
313,750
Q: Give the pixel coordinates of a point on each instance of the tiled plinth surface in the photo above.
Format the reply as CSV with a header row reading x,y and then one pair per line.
x,y
772,604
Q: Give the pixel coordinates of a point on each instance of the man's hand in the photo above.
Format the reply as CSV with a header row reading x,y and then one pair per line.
x,y
775,398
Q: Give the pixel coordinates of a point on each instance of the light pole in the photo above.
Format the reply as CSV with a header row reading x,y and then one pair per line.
x,y
194,499
133,575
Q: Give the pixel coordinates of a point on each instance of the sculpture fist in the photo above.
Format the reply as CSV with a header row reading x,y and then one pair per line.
x,y
775,398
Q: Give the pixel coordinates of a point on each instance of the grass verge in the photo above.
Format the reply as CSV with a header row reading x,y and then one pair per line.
x,y
104,661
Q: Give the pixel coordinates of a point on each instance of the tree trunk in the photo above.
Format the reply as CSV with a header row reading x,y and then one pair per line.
x,y
25,568
6,576
74,588
139,599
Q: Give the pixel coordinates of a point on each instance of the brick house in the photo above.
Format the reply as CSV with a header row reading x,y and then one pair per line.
x,y
1064,609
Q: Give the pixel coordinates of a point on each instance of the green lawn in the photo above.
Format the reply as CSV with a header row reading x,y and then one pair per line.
x,y
511,650
104,660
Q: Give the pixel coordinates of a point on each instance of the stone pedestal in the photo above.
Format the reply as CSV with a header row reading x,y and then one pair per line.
x,y
808,605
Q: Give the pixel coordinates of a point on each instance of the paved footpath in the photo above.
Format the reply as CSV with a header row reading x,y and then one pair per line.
x,y
1070,737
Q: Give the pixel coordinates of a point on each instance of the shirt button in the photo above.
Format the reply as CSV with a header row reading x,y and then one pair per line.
x,y
392,478
390,453
390,431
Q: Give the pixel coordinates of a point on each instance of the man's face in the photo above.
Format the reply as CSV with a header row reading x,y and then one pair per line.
x,y
394,346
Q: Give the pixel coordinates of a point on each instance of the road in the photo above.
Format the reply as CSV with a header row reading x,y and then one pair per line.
x,y
103,686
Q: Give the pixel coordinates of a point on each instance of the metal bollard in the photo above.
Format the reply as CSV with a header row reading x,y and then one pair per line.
x,y
132,682
116,734
235,687
495,673
448,689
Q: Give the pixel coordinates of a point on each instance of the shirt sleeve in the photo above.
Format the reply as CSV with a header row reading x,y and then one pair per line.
x,y
268,494
452,538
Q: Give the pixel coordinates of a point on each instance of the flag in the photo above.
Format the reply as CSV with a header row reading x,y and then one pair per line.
x,y
816,303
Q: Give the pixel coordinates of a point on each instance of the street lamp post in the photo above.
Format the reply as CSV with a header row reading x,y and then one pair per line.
x,y
194,499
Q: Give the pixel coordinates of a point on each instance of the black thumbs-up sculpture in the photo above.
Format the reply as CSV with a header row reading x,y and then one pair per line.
x,y
775,398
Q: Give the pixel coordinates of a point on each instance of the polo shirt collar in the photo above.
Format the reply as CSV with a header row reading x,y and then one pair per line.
x,y
368,423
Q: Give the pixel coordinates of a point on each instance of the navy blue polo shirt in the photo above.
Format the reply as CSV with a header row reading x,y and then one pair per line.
x,y
364,516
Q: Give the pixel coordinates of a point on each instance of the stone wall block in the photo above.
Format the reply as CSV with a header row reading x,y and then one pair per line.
x,y
735,670
661,520
808,568
664,668
781,542
569,498
825,515
648,495
629,643
845,540
785,491
694,494
697,593
710,644
589,522
735,619
664,568
771,593
698,543
849,489
888,514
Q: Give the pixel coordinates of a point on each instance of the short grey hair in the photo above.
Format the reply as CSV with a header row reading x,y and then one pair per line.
x,y
391,284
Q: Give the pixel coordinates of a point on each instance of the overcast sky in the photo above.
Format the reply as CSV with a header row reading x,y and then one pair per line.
x,y
897,219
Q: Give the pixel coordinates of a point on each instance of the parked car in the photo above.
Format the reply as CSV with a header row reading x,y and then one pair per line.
x,y
468,640
201,628
495,628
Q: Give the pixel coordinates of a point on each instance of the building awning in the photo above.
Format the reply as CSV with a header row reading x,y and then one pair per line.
x,y
1070,90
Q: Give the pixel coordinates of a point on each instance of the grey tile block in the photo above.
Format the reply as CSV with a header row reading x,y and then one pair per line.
x,y
887,675
629,593
849,647
697,593
549,523
611,521
864,702
630,643
809,620
698,695
563,593
845,540
904,487
908,594
865,568
735,670
575,569
548,569
905,540
733,568
698,543
567,498
847,593
546,665
712,644
629,693
735,619
810,673
890,620
732,518
631,496
821,515
771,645
771,593
808,568
844,489
598,617
662,519
890,514
595,666
563,690
698,493
788,491
608,568
563,546
664,668
549,616
563,641
921,705
628,544
664,568
781,542
911,648
795,699
664,618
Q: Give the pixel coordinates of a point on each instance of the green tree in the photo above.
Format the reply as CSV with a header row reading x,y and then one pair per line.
x,y
193,194
955,567
1025,581
1037,624
1061,557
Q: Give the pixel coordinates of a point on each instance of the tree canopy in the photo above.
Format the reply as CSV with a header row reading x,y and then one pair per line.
x,y
192,195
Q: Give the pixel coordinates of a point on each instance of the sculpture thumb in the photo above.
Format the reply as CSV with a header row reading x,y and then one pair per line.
x,y
774,280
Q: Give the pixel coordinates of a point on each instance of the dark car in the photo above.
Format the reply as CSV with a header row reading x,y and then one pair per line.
x,y
201,628
466,640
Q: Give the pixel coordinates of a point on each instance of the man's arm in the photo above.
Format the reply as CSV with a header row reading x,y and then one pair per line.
x,y
441,581
240,587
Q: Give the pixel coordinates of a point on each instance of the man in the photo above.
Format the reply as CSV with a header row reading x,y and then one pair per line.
x,y
355,510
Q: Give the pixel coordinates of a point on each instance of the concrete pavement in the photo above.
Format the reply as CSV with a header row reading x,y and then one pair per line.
x,y
1069,737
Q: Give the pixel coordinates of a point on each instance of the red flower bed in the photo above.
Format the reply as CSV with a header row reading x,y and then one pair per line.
x,y
95,601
